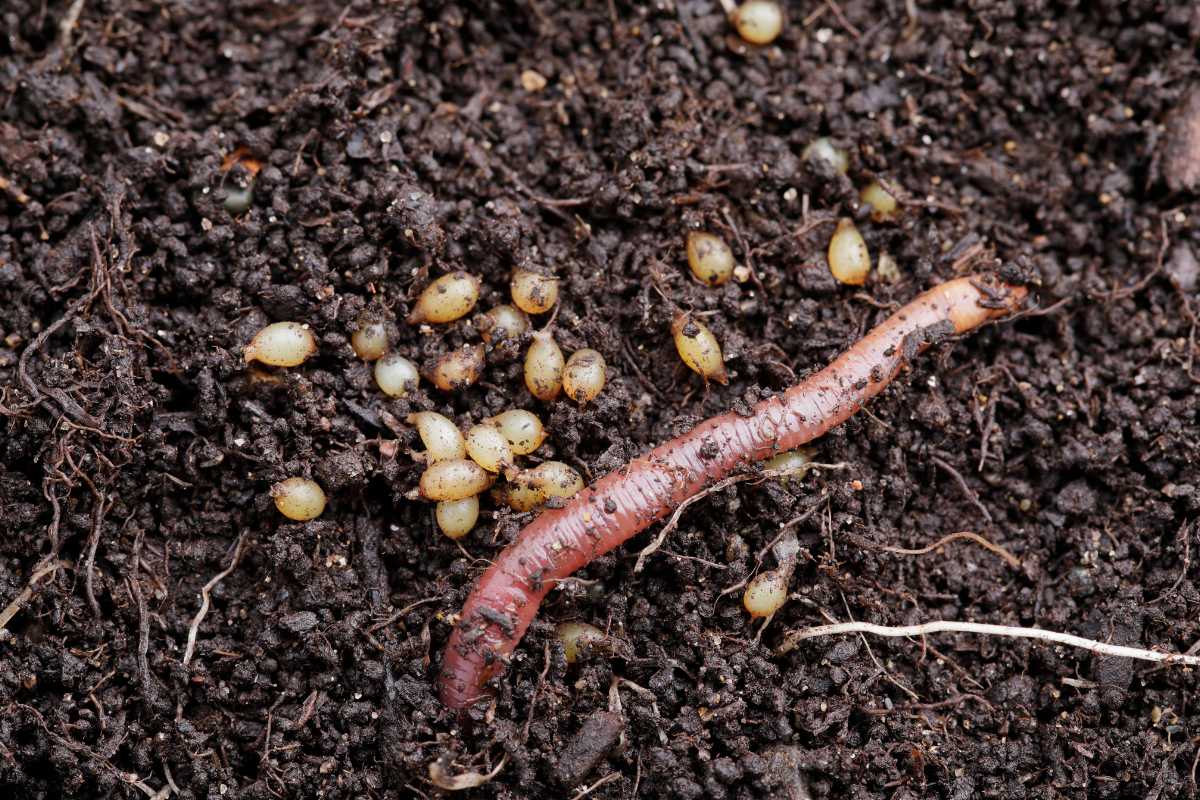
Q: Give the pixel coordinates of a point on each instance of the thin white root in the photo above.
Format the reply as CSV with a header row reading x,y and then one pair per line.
x,y
946,626
204,601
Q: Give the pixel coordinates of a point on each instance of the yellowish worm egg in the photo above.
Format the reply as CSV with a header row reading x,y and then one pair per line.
x,y
446,299
883,204
544,367
793,462
522,429
488,448
584,375
766,593
456,518
503,322
849,259
442,439
758,21
454,480
522,492
887,269
709,258
823,154
577,637
298,499
281,344
396,376
699,348
557,479
458,369
370,341
533,292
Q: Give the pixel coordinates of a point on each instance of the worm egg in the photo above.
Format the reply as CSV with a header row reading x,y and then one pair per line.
x,y
849,260
887,269
446,299
458,369
281,344
577,637
522,492
823,154
709,257
488,448
766,593
299,499
533,292
370,341
557,479
583,376
522,429
441,437
456,479
502,322
395,375
698,348
544,367
457,517
758,21
882,203
793,462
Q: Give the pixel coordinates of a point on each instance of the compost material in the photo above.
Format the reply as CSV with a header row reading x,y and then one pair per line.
x,y
175,177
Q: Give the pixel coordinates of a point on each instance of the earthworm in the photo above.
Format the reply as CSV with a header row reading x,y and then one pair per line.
x,y
629,499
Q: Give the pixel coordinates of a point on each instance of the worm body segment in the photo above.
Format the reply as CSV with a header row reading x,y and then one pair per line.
x,y
628,500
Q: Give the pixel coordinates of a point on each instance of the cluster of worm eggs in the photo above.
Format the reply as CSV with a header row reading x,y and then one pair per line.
x,y
458,467
848,256
712,262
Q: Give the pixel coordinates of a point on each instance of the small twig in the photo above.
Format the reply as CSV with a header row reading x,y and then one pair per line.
x,y
67,26
536,691
962,484
737,234
671,524
1009,631
23,596
8,186
849,26
950,701
1117,294
401,613
882,669
93,543
1187,562
204,599
974,537
783,529
609,778
697,559
135,590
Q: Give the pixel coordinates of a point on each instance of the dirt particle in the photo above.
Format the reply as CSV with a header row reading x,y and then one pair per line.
x,y
1183,267
590,744
300,622
532,81
1181,146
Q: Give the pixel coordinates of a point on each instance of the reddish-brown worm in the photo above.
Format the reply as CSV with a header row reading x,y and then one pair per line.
x,y
628,500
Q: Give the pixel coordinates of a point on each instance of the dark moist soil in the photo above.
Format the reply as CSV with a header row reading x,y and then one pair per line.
x,y
391,143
